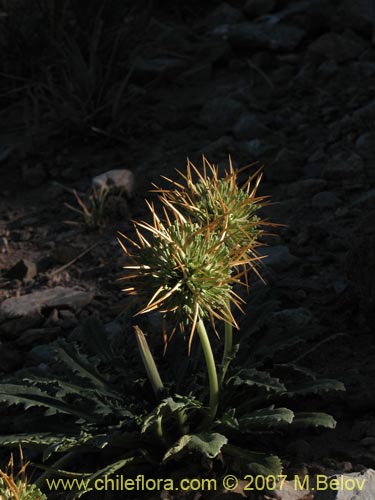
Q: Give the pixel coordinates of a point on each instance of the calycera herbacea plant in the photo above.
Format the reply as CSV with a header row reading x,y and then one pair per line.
x,y
187,264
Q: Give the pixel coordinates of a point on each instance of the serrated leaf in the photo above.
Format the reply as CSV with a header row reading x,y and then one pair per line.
x,y
314,419
254,377
35,441
266,418
254,462
208,444
79,364
33,396
314,387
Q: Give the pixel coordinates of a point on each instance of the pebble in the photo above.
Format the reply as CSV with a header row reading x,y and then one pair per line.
x,y
249,126
261,36
277,257
33,303
294,318
119,179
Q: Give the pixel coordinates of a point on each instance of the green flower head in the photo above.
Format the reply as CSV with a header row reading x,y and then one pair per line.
x,y
183,269
234,208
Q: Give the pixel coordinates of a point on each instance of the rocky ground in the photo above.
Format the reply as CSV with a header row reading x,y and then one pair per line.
x,y
289,85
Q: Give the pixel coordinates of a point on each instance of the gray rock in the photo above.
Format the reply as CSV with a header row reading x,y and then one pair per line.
x,y
116,179
354,486
261,36
24,269
325,200
249,126
256,149
294,318
35,335
219,115
305,187
256,8
336,47
32,304
277,257
12,327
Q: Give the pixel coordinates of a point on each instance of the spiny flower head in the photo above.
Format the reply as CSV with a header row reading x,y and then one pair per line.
x,y
211,198
184,269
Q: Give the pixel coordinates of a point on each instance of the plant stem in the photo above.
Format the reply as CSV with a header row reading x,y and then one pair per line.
x,y
211,369
228,347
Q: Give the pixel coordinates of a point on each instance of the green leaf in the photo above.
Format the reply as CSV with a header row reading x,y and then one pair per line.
x,y
228,420
254,377
254,462
314,419
79,364
168,407
314,387
33,396
208,444
266,418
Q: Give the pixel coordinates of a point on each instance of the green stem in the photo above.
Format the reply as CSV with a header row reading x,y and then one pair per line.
x,y
211,369
228,348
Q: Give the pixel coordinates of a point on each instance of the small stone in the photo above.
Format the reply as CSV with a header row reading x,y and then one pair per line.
x,y
256,149
277,257
33,336
12,327
261,36
294,318
256,8
119,179
325,200
356,486
24,269
33,303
